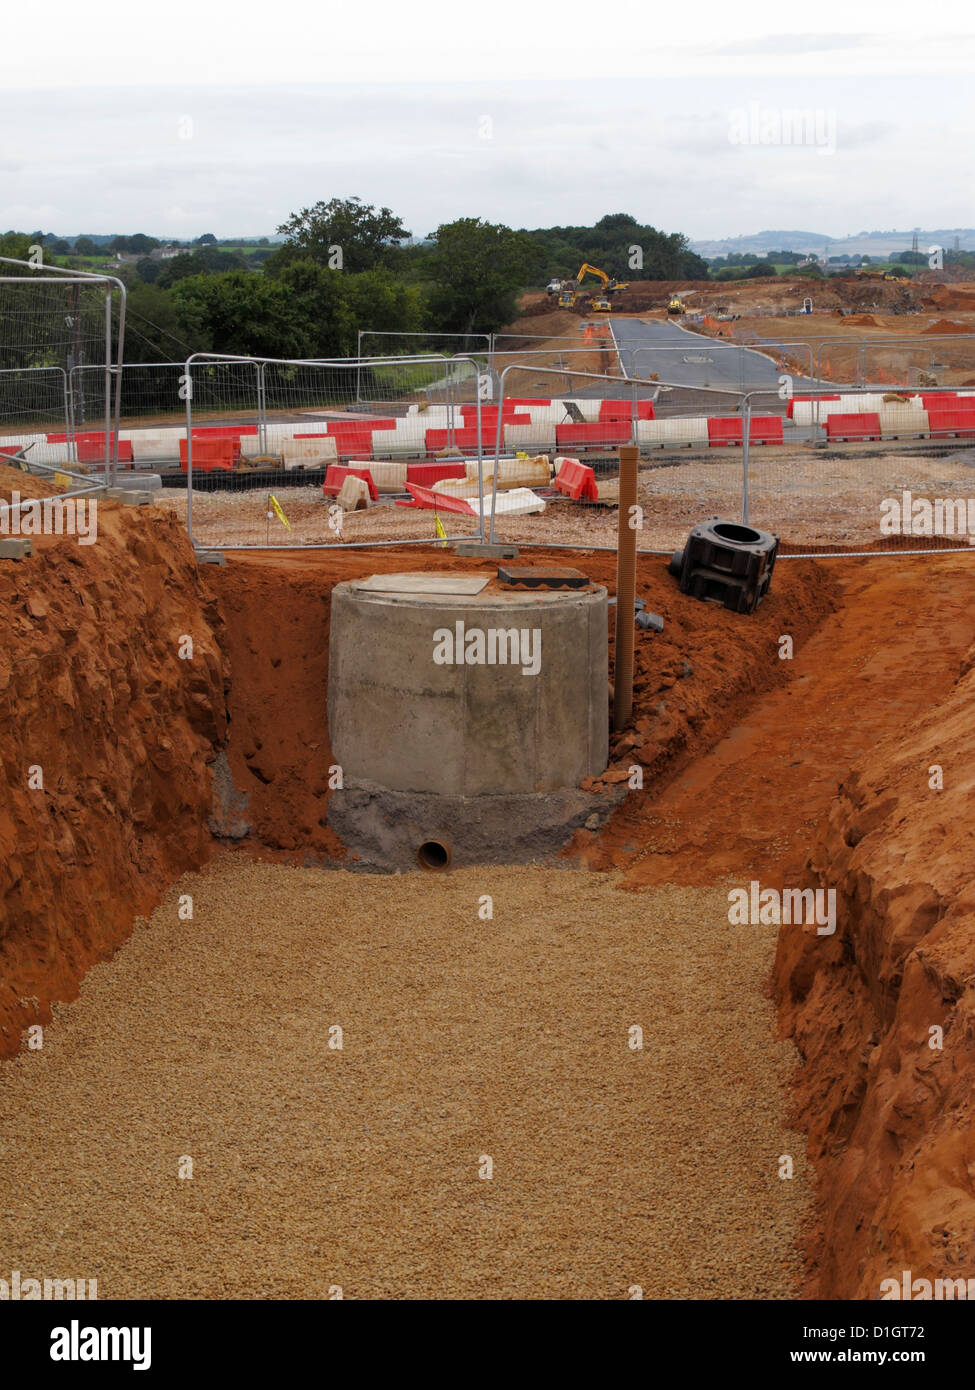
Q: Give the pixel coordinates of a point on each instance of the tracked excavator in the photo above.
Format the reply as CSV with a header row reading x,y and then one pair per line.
x,y
598,303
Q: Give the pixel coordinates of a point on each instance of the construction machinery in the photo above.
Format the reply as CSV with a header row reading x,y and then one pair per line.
x,y
571,291
676,306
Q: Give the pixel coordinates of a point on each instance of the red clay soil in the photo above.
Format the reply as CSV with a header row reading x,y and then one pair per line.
x,y
756,802
886,1097
93,692
946,326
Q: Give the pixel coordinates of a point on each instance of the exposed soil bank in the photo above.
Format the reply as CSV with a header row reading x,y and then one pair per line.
x,y
884,1012
276,620
93,693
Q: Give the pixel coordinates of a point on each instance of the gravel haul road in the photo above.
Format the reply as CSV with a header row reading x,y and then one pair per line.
x,y
487,1129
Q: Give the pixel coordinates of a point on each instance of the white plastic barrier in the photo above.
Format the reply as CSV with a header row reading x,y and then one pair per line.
x,y
538,435
527,472
866,403
520,502
900,421
589,410
388,477
306,453
686,429
155,445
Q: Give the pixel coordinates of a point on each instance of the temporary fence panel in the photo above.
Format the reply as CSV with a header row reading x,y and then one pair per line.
x,y
51,321
310,435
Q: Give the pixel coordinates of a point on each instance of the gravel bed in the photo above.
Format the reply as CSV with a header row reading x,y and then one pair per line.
x,y
463,1038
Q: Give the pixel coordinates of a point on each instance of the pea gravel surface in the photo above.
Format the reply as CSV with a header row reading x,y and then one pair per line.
x,y
487,1129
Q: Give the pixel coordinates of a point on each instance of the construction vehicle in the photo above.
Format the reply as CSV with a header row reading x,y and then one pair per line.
x,y
676,306
571,289
867,274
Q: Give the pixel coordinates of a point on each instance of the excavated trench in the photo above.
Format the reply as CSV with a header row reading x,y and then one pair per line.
x,y
172,773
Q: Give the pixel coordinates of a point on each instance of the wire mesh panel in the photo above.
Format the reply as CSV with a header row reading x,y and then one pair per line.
x,y
389,343
275,474
564,489
874,470
34,405
50,324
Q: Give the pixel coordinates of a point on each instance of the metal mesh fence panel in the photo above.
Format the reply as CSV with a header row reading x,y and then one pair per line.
x,y
278,481
50,324
870,472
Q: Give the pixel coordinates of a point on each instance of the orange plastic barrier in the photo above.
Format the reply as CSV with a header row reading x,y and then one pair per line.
x,y
576,480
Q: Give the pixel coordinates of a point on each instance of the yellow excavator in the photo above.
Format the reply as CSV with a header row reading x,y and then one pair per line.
x,y
599,303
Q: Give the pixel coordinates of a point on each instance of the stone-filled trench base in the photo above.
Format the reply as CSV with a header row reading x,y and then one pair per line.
x,y
464,716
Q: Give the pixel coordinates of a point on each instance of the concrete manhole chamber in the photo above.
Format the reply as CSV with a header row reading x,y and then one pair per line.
x,y
464,714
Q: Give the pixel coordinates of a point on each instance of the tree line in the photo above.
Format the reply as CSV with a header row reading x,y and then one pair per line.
x,y
344,265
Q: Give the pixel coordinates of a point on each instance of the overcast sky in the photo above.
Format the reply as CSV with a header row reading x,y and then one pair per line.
x,y
179,120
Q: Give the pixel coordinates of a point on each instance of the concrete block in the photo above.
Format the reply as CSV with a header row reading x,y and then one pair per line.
x,y
484,550
16,547
211,557
128,497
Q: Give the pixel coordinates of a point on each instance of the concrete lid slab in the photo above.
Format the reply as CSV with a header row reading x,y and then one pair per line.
x,y
464,584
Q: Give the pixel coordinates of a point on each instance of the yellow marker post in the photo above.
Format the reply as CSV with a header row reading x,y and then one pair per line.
x,y
438,527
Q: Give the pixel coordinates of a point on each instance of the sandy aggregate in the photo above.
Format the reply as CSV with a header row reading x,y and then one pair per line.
x,y
316,1168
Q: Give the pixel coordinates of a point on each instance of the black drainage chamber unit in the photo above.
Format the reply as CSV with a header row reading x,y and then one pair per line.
x,y
726,562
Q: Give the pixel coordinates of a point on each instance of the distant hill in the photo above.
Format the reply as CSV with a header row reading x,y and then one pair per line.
x,y
877,243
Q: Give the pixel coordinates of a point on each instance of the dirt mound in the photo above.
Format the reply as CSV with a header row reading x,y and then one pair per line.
x,y
864,321
105,736
946,326
884,1012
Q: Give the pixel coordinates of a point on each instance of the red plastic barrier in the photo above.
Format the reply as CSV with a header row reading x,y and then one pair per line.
x,y
210,453
336,474
352,442
958,419
945,400
94,451
430,500
366,423
223,431
623,410
427,474
576,480
593,432
91,446
526,400
793,399
727,429
865,426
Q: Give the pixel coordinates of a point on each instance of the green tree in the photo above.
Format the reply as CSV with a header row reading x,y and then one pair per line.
x,y
84,246
363,233
148,270
478,269
243,314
